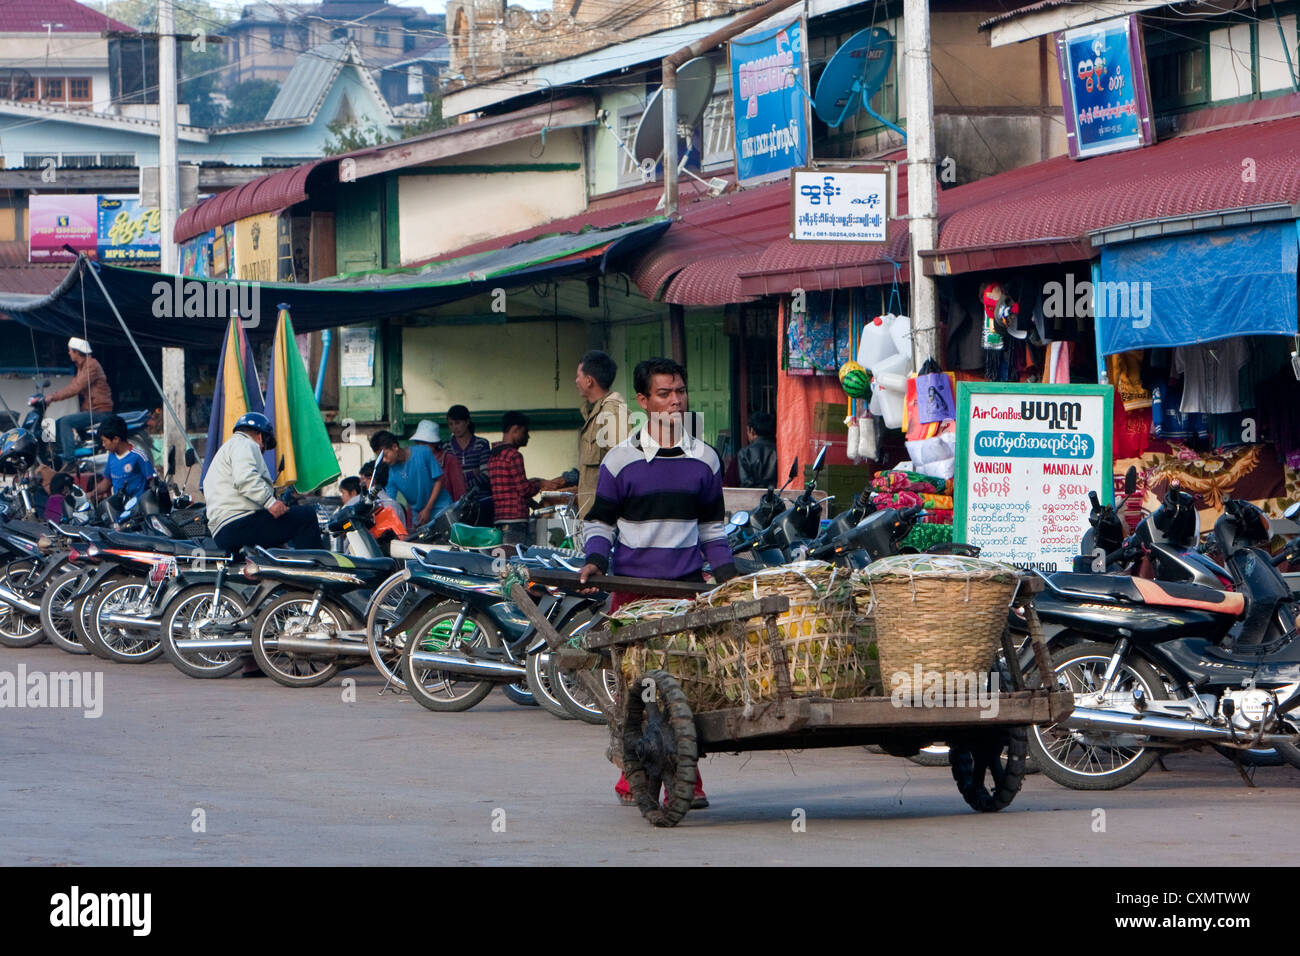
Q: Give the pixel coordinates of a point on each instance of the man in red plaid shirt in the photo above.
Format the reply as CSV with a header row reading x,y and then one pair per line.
x,y
512,490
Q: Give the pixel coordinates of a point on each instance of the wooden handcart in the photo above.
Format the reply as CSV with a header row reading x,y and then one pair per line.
x,y
660,739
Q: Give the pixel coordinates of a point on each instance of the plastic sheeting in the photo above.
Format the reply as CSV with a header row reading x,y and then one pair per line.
x,y
1185,290
175,311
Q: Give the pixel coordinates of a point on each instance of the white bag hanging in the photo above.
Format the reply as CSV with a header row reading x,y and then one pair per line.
x,y
868,449
851,445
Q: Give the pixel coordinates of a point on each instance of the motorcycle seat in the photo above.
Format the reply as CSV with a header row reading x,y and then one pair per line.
x,y
1194,596
468,562
181,547
1111,588
332,559
472,536
135,421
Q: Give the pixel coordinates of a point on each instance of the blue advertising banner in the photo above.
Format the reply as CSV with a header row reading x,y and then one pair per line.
x,y
1104,88
128,232
768,78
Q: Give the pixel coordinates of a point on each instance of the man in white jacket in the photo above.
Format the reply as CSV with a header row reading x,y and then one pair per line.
x,y
241,503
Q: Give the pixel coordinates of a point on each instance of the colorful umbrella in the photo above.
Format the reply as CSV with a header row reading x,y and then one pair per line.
x,y
302,442
236,392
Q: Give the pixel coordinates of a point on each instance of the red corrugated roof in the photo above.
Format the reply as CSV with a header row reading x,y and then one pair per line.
x,y
30,16
264,194
1044,212
32,279
710,241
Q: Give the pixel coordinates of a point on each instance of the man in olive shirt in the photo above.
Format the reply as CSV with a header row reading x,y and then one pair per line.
x,y
604,416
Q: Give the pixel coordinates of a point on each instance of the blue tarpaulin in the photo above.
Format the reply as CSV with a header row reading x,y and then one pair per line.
x,y
1184,290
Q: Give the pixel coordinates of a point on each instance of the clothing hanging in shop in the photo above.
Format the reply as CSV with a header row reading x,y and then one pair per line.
x,y
1210,374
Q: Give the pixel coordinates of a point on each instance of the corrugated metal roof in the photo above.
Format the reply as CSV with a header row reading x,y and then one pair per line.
x,y
1029,8
266,194
30,16
736,227
310,79
1060,201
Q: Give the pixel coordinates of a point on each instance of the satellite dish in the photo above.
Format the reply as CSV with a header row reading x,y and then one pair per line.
x,y
695,81
854,74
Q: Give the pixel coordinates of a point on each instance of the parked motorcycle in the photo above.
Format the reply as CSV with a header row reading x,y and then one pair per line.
x,y
1173,665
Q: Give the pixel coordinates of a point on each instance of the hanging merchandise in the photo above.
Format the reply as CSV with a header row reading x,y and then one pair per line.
x,y
1125,373
876,343
1210,374
900,330
935,401
1056,370
851,444
868,438
889,389
855,380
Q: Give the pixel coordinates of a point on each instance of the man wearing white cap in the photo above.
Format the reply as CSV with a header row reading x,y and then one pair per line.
x,y
428,433
92,392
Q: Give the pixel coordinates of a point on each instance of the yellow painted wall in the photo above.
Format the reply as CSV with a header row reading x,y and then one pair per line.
x,y
497,367
441,213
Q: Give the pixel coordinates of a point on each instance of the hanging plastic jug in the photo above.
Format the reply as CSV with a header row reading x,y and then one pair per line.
x,y
876,343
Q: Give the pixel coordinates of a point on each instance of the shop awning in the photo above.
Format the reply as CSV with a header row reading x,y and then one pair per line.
x,y
262,195
714,239
787,265
1183,290
1046,212
183,312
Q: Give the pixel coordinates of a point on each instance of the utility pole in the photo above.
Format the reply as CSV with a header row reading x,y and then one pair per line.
x,y
922,188
173,360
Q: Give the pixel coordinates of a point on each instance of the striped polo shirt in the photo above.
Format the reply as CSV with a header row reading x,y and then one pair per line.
x,y
658,512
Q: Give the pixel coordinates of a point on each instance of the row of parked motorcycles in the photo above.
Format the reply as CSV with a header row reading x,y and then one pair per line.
x,y
1163,647
132,581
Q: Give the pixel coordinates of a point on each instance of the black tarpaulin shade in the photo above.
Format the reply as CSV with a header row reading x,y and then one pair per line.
x,y
180,312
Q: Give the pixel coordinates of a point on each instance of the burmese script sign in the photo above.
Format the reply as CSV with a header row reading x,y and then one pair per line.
x,y
1027,457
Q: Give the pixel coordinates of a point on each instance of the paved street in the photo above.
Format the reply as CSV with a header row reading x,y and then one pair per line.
x,y
303,777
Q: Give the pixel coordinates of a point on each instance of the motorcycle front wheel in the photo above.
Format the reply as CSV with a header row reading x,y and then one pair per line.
x,y
18,628
287,614
56,612
126,645
193,615
1092,760
444,691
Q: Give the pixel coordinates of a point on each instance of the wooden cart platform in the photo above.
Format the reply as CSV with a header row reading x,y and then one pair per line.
x,y
660,739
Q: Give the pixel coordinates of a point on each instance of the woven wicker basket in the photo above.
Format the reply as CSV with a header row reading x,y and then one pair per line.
x,y
943,613
681,655
827,645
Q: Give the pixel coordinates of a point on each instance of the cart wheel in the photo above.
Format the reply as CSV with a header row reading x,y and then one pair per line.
x,y
998,753
659,748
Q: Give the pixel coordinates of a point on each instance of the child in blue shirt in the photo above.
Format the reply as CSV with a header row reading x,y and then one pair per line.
x,y
127,472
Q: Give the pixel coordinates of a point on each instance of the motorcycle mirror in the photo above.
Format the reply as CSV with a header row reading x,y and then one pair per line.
x,y
171,461
820,459
794,471
1292,513
45,384
1130,480
191,457
741,518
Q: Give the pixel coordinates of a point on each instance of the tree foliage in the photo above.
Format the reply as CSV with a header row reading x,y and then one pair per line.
x,y
348,136
250,100
201,69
